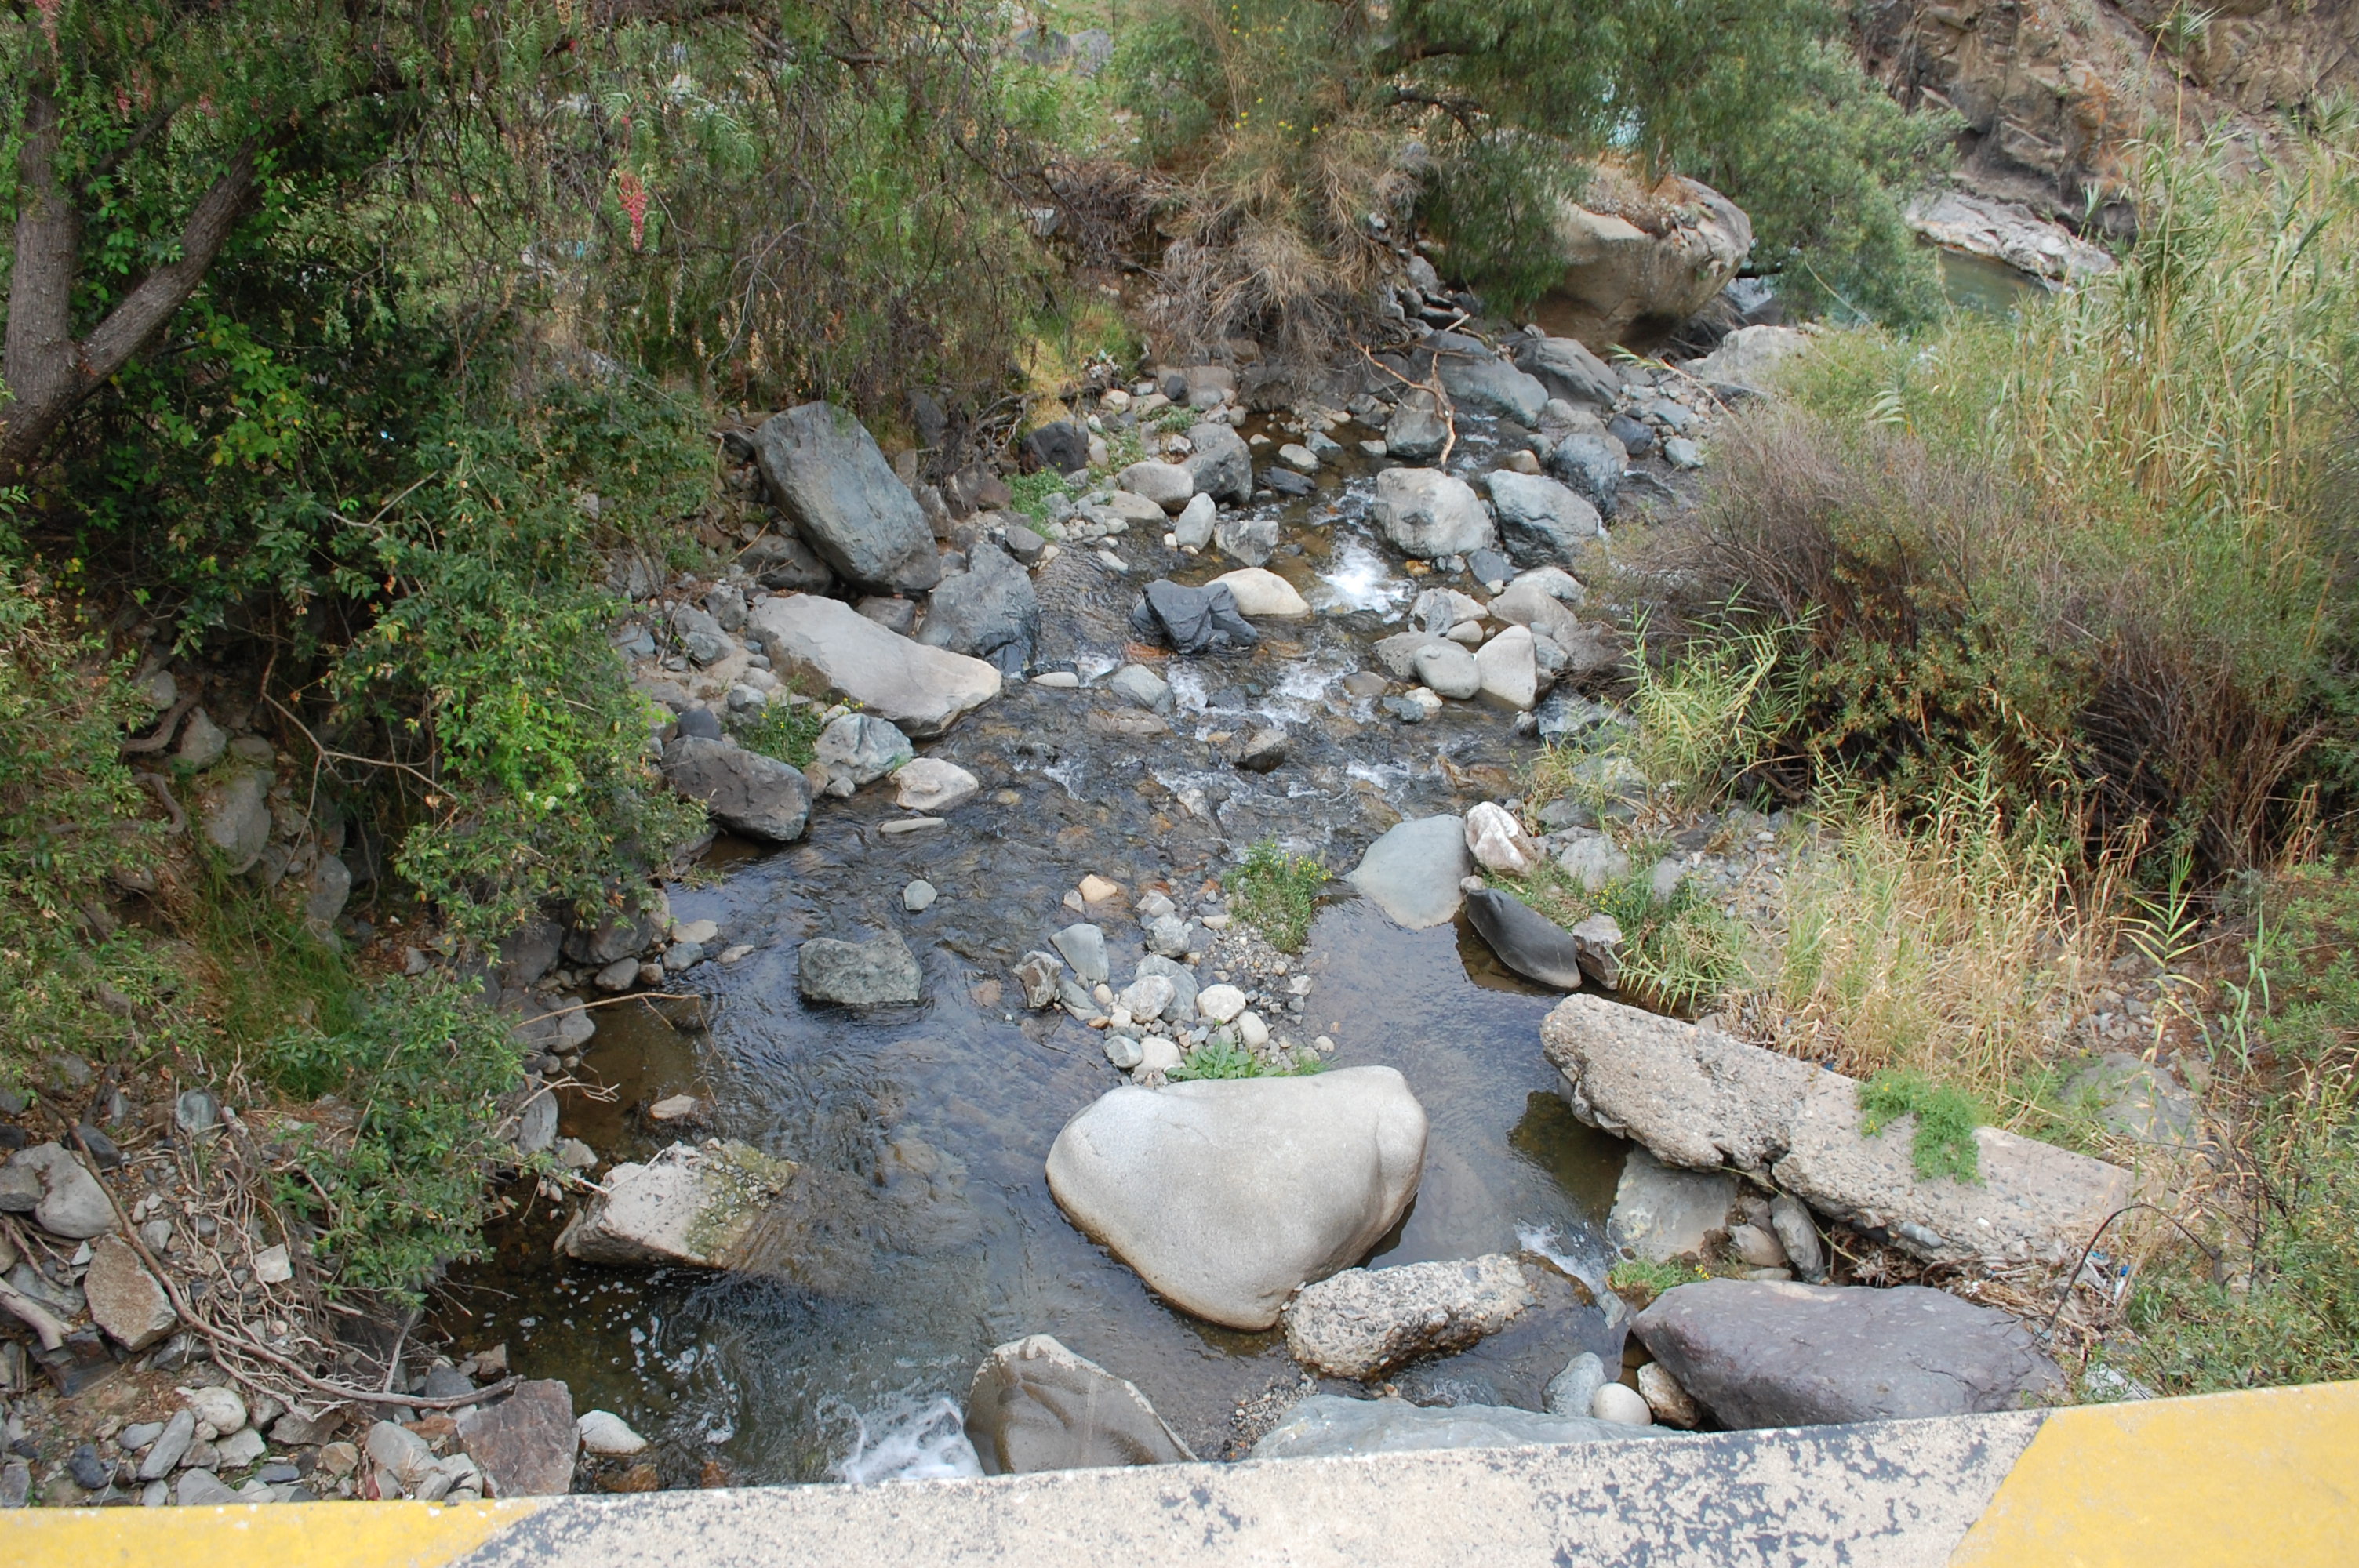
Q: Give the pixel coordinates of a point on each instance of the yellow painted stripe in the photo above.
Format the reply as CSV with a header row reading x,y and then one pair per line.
x,y
333,1535
2267,1477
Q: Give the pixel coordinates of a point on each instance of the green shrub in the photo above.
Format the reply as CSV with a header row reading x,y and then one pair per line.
x,y
787,730
1277,895
1943,1141
1218,1059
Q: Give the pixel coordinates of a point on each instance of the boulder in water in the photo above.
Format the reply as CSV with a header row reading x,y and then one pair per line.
x,y
876,973
1415,432
688,1206
1525,940
1192,620
1037,1406
1228,1194
1429,514
744,791
1413,871
1220,463
923,691
858,748
989,611
1364,1322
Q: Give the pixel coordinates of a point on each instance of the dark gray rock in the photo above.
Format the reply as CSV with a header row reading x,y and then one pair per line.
x,y
1192,620
1220,463
1525,940
988,612
1037,1406
1567,368
876,973
783,561
826,473
744,791
1476,377
1488,566
1767,1352
1541,521
531,951
1286,481
1262,751
699,724
1592,466
1636,438
1061,447
1415,432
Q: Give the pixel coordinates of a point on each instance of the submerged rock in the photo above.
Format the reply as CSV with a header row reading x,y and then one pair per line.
x,y
1192,620
1326,1426
825,472
1226,1195
1770,1353
691,1206
1364,1322
1661,1211
1414,872
1036,1406
1525,940
876,973
923,691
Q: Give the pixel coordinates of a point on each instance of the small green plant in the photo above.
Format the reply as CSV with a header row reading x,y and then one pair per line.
x,y
1943,1143
1679,953
1638,1281
1220,1058
1030,493
787,730
1278,894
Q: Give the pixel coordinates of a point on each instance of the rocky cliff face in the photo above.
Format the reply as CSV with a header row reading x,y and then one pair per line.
x,y
2053,95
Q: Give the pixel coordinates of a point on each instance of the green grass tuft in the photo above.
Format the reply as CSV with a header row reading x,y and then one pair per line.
x,y
787,730
1278,894
1946,1116
1218,1058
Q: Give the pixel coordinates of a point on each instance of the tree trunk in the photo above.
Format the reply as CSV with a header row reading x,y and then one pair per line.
x,y
48,373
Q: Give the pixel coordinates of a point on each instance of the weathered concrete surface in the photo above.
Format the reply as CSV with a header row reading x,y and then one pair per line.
x,y
1699,1098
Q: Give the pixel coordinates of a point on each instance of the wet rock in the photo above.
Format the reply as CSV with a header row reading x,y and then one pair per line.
x,y
1326,1426
1449,669
1286,481
1417,431
825,473
72,1203
1541,522
1123,1051
1252,540
1437,610
930,785
1429,514
526,1443
1192,529
923,691
1228,1194
604,1433
125,1299
1220,463
990,611
1261,593
1661,1213
879,972
1509,670
1413,871
1591,465
859,749
1525,940
744,791
1298,458
1699,1098
233,811
1142,688
1039,973
1766,1352
919,896
1170,485
1476,377
1364,1322
688,1206
1398,652
1498,842
1192,620
1574,1390
1037,1406
1797,1237
1262,751
1568,369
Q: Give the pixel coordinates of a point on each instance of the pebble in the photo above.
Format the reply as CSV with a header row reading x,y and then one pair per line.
x,y
603,1431
1058,680
1621,1402
1220,1003
220,1409
918,896
1123,1051
698,931
1252,1031
1096,889
910,824
731,955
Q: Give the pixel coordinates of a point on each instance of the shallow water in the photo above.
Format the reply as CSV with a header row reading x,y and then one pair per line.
x,y
919,1231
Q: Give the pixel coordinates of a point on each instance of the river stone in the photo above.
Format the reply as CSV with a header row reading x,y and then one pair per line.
x,y
604,1432
1147,998
1041,975
1541,522
1085,947
1037,1406
1417,431
989,611
1192,620
1567,368
827,475
1183,983
876,973
858,748
125,1299
1220,463
1592,466
232,810
1620,1404
1761,1353
526,1443
1413,872
1398,652
1525,940
1364,1322
1477,378
1661,1213
689,1205
1252,540
1448,670
923,691
1527,602
931,784
1220,1003
1142,688
744,791
1699,1098
1574,1390
1429,514
1169,485
1192,529
1508,669
1327,1426
72,1203
1228,1194
1498,842
1260,592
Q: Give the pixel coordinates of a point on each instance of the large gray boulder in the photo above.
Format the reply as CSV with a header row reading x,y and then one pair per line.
x,y
1037,1406
988,612
1697,1097
689,1206
1429,514
1228,1194
1417,431
826,474
1591,465
744,791
924,690
1220,463
1364,1322
1567,368
1476,377
1771,1353
1541,522
1413,870
1326,1426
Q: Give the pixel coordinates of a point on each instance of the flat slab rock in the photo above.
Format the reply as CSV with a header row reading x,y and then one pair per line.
x,y
1760,1353
1227,1196
923,691
1363,1322
1035,1405
1697,1097
1327,1426
526,1443
693,1204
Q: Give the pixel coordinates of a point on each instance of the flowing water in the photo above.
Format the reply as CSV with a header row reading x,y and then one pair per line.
x,y
919,1230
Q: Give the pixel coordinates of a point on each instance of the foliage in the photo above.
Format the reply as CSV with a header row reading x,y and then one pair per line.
x,y
1638,1281
1680,954
1031,493
1946,1116
1278,894
787,730
1218,1059
400,1189
1708,714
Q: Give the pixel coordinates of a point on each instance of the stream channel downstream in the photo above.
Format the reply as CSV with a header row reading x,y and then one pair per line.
x,y
919,1231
